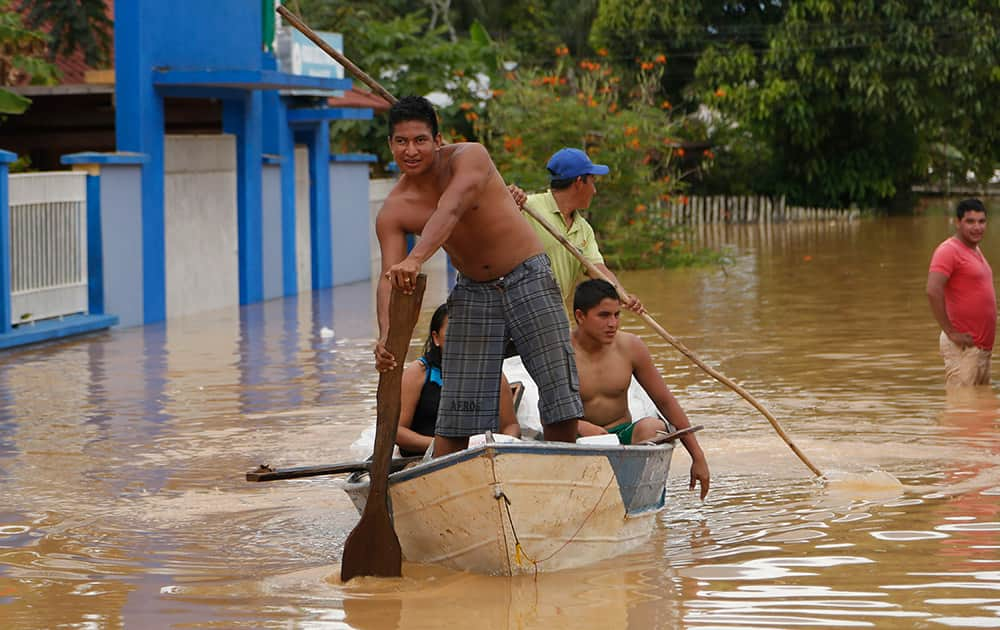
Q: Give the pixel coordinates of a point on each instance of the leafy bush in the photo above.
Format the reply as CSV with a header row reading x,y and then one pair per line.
x,y
586,105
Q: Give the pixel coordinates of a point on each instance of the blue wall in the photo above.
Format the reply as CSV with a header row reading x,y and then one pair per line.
x,y
196,35
6,159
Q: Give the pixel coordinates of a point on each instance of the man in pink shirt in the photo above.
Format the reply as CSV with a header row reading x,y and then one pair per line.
x,y
962,298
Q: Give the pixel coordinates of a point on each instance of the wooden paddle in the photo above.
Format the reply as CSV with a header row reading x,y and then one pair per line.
x,y
594,272
266,473
372,548
663,437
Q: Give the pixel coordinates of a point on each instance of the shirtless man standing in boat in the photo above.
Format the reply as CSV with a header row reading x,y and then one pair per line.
x,y
607,359
454,197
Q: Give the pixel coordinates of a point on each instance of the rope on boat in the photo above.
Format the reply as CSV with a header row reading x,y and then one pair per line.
x,y
499,494
519,551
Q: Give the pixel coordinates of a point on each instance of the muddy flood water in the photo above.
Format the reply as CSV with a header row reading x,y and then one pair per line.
x,y
122,460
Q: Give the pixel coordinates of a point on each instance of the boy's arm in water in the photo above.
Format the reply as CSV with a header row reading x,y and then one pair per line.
x,y
649,377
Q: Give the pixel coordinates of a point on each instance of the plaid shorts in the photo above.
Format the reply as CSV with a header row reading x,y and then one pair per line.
x,y
526,305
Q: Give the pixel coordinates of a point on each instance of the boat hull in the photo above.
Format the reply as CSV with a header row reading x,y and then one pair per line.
x,y
516,508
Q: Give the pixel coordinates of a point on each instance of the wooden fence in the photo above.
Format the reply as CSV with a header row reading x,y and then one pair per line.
x,y
749,209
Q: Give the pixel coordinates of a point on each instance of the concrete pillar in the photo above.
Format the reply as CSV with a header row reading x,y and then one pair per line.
x,y
350,228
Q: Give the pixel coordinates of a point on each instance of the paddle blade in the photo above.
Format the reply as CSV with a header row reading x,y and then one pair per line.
x,y
372,548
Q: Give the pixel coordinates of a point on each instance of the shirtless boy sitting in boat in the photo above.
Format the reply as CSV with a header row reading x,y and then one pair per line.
x,y
454,197
606,360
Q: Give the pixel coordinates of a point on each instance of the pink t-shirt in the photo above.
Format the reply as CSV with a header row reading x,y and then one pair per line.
x,y
969,297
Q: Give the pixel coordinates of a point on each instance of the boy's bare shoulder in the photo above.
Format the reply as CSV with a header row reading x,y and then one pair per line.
x,y
631,344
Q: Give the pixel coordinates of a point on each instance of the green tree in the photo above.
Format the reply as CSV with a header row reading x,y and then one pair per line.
x,y
22,56
853,95
854,99
407,57
74,25
532,27
681,30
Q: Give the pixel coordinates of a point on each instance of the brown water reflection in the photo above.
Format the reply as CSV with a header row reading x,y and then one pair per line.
x,y
121,457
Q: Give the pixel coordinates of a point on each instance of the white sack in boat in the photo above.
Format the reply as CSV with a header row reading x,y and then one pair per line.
x,y
639,403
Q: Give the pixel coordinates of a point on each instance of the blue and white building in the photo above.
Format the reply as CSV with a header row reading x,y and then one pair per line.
x,y
213,184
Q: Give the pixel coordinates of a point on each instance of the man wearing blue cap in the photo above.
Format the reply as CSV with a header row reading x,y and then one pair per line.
x,y
571,189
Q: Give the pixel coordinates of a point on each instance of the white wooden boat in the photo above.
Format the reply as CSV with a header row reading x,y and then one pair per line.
x,y
509,508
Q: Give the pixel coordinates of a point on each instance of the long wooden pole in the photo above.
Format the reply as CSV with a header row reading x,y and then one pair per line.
x,y
266,473
591,269
594,272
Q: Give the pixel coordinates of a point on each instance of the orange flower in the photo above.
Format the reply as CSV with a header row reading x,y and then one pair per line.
x,y
679,151
665,198
511,145
666,105
498,93
646,65
684,200
471,116
592,103
466,106
562,51
460,73
634,143
639,209
630,131
613,107
562,80
602,52
661,58
657,246
666,179
708,153
720,93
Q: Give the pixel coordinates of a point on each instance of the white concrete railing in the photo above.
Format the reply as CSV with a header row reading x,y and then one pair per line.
x,y
48,245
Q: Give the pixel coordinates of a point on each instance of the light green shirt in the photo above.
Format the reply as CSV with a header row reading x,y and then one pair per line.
x,y
567,269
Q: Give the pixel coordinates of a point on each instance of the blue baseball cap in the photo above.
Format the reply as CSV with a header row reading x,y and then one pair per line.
x,y
573,163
